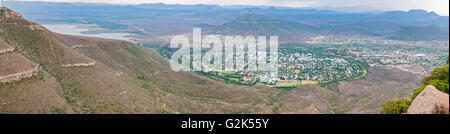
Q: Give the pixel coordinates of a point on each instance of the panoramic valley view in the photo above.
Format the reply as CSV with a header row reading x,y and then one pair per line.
x,y
66,57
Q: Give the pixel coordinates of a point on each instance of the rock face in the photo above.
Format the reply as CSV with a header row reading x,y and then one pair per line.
x,y
80,64
14,67
19,75
430,101
5,48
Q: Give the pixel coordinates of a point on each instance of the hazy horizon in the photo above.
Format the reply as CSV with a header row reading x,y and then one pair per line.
x,y
438,6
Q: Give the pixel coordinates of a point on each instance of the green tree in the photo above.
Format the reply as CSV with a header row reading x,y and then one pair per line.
x,y
438,78
397,106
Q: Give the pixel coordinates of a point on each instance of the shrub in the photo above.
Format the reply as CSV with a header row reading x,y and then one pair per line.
x,y
441,85
397,106
440,73
438,78
417,91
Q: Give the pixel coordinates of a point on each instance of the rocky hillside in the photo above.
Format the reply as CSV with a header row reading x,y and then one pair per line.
x,y
46,72
91,75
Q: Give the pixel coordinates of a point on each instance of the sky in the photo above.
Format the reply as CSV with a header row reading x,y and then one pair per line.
x,y
441,7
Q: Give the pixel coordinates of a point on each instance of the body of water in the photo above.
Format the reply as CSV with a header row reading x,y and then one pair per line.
x,y
73,29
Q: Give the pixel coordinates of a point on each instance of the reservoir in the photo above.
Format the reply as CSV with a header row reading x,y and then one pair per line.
x,y
74,29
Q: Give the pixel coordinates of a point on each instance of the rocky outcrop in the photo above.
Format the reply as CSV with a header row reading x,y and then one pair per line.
x,y
19,75
36,27
77,46
14,67
79,64
430,101
5,48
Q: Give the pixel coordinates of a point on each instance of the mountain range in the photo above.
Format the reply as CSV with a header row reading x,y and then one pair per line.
x,y
159,20
256,24
418,33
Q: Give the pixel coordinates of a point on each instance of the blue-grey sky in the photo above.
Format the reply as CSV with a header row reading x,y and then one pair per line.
x,y
439,6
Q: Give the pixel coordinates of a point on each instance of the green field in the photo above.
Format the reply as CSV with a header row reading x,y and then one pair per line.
x,y
308,82
287,84
234,79
224,72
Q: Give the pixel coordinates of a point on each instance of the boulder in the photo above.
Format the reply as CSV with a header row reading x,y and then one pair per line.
x,y
430,101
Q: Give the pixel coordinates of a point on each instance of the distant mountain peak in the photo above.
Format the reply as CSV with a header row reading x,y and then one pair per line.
x,y
422,12
417,11
433,13
412,13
